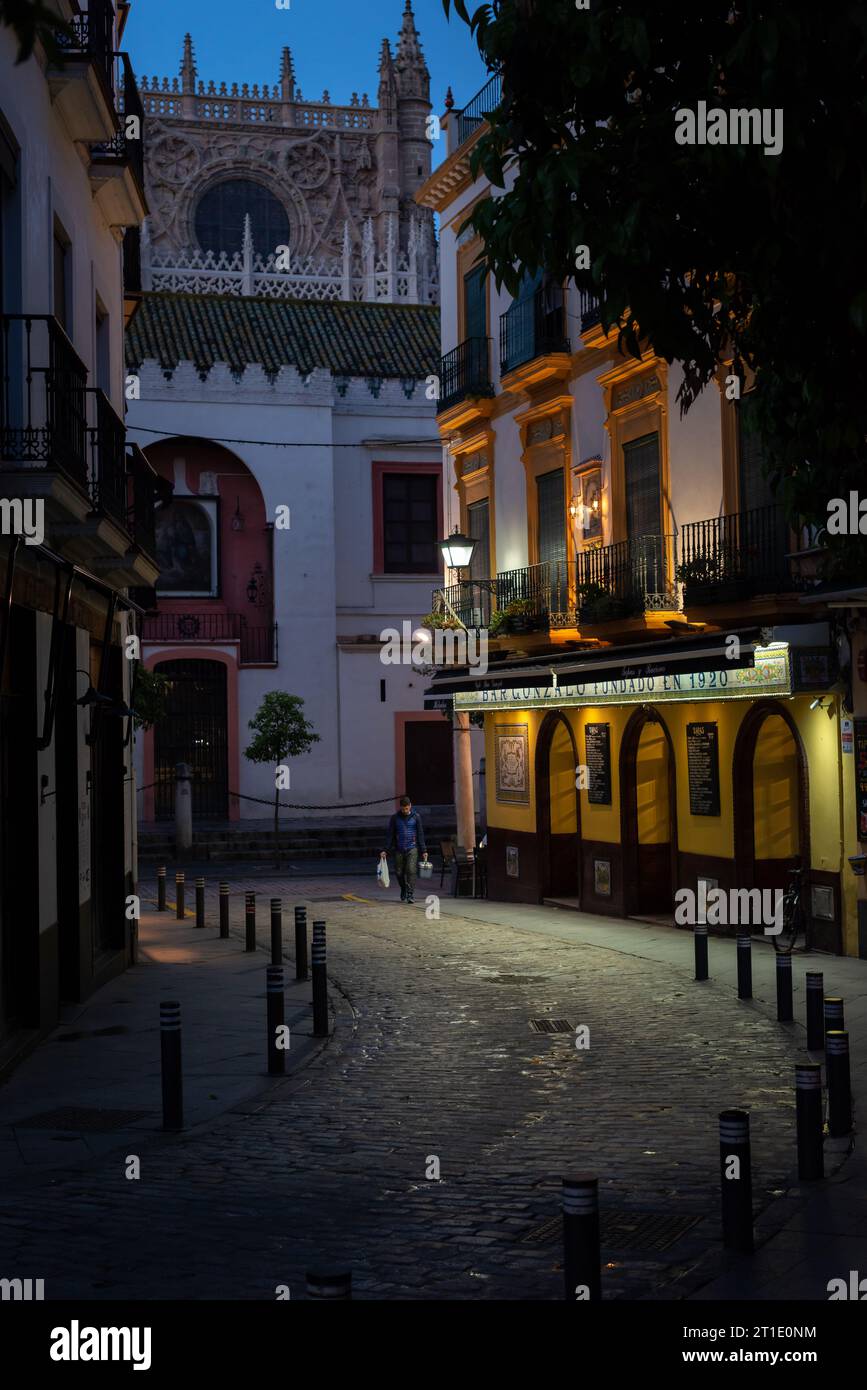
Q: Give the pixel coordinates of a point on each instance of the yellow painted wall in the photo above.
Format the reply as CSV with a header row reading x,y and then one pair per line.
x,y
775,791
710,835
564,817
651,769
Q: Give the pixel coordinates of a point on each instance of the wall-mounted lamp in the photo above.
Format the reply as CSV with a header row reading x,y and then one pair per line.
x,y
90,696
238,518
819,703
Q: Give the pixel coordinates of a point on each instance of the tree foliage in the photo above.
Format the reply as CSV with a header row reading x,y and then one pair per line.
x,y
30,20
706,253
281,729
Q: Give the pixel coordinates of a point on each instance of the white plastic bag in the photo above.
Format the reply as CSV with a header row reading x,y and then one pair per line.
x,y
425,869
382,873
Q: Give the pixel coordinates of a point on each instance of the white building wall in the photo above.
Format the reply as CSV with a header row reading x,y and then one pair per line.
x,y
324,585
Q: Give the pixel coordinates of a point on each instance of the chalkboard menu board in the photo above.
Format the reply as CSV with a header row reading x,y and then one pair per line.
x,y
702,753
861,776
598,744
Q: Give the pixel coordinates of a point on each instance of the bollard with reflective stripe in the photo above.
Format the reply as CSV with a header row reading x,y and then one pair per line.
x,y
808,1112
320,982
224,908
784,989
200,902
737,1180
250,922
179,895
301,943
170,1057
582,1280
839,1083
329,1285
815,1016
161,889
274,1003
833,1015
700,939
276,931
745,967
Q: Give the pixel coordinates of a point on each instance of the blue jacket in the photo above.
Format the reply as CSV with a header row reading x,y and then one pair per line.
x,y
406,832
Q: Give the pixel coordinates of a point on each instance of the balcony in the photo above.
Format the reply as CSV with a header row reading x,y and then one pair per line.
x,y
107,482
82,90
257,646
117,164
626,579
132,285
730,558
533,331
588,310
143,485
477,111
465,373
531,599
43,398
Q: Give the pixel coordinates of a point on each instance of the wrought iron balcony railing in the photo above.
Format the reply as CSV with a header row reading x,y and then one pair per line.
x,y
533,327
515,600
107,482
588,308
466,371
481,106
639,574
257,644
43,384
127,146
142,483
734,556
92,40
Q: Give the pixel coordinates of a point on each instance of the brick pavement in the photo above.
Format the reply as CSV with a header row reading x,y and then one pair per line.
x,y
434,1056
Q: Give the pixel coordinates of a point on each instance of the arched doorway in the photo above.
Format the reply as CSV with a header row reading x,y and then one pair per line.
x,y
557,809
772,823
648,815
194,730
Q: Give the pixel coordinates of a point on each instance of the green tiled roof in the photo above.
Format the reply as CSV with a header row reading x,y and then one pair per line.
x,y
360,340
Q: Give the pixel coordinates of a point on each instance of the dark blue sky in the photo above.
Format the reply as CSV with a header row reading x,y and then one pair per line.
x,y
335,44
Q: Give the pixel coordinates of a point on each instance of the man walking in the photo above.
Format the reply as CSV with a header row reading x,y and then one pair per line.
x,y
406,838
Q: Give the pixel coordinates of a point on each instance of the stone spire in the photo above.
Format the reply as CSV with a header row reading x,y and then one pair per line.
x,y
387,96
287,75
413,78
188,66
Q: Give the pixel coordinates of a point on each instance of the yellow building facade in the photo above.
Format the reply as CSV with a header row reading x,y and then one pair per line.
x,y
667,699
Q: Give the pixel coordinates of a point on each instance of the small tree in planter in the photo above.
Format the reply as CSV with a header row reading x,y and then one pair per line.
x,y
148,698
281,732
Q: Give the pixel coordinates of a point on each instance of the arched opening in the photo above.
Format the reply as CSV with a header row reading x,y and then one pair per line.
x,y
194,730
648,813
557,809
772,826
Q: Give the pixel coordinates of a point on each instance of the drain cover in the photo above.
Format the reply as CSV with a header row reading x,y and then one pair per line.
x,y
551,1025
623,1230
82,1117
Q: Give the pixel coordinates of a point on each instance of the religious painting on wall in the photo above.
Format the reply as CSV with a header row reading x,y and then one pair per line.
x,y
513,775
186,537
591,509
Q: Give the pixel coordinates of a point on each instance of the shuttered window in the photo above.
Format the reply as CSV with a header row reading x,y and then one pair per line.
x,y
552,516
755,490
479,525
641,470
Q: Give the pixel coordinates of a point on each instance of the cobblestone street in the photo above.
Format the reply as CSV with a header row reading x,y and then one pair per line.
x,y
433,1055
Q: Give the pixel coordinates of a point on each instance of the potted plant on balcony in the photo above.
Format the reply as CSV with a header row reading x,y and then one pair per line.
x,y
520,615
705,580
435,620
598,605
